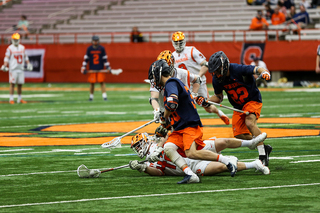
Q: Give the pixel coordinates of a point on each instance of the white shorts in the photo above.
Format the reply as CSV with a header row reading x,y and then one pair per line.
x,y
199,166
16,77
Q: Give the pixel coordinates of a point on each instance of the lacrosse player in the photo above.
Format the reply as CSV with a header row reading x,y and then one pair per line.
x,y
181,113
318,60
97,58
189,58
243,94
144,145
156,99
16,58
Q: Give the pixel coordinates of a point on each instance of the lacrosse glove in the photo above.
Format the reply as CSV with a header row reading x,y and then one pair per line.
x,y
4,68
29,67
156,115
161,131
156,154
201,101
165,122
265,75
135,165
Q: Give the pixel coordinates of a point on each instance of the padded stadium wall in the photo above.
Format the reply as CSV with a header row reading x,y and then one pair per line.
x,y
62,62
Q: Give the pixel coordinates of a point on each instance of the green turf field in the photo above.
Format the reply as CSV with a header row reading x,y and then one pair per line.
x,y
44,178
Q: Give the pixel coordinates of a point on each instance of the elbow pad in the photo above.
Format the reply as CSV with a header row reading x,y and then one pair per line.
x,y
150,100
198,80
172,103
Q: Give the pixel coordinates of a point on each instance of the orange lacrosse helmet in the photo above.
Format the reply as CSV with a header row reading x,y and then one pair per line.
x,y
140,144
178,41
15,39
166,55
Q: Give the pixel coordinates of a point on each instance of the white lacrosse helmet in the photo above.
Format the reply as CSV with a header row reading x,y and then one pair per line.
x,y
178,41
15,39
140,144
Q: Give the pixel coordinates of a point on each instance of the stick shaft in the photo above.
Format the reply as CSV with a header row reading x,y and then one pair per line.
x,y
120,167
231,108
140,127
97,71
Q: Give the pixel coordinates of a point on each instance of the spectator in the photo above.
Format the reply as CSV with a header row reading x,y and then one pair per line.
x,y
291,13
306,4
315,3
301,19
269,11
272,2
278,17
257,62
23,24
136,35
258,22
258,2
318,61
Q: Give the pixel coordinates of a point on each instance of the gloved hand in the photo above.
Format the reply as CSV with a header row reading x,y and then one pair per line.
x,y
4,68
83,70
165,122
29,67
156,115
155,155
265,75
135,165
194,95
201,101
161,131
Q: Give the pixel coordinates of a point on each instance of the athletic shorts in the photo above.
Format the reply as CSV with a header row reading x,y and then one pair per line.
x,y
16,77
97,77
238,119
197,166
185,137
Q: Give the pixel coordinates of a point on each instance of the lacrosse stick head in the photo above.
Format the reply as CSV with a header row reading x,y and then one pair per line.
x,y
140,144
114,143
116,71
84,172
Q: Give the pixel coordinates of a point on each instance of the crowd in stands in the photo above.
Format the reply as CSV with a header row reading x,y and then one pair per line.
x,y
282,13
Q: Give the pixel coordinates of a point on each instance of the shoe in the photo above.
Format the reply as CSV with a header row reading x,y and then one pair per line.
x,y
265,158
190,179
260,167
105,99
257,140
22,102
232,165
90,99
225,119
11,102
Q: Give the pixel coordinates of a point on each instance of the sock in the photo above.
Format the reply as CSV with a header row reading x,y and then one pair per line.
x,y
246,143
250,165
223,159
19,98
261,150
187,171
220,113
11,98
104,95
91,96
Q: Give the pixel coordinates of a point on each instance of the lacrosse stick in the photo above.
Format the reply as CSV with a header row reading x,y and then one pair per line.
x,y
231,108
84,172
116,142
113,71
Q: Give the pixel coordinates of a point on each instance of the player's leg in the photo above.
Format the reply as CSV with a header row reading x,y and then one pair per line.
x,y
91,91
101,79
11,92
20,82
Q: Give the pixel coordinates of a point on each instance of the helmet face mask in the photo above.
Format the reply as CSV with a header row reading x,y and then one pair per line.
x,y
219,65
15,39
140,144
95,40
178,41
168,57
156,70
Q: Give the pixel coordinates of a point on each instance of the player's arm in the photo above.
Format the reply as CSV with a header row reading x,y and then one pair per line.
x,y
105,60
4,67
317,64
262,72
203,69
217,98
196,82
85,61
153,171
154,101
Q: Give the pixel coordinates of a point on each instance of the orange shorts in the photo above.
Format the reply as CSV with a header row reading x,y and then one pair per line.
x,y
238,119
97,77
185,137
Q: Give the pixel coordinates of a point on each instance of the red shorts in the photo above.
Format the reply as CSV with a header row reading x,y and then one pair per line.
x,y
185,137
238,119
97,77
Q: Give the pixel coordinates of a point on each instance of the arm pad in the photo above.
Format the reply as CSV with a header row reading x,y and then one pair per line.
x,y
172,103
156,99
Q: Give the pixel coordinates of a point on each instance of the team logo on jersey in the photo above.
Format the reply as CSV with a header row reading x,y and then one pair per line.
x,y
251,51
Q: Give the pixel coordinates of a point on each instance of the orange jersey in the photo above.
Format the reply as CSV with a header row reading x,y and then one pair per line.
x,y
278,18
257,24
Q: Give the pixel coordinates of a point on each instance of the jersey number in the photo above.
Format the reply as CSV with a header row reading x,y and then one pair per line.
x,y
183,66
18,58
239,95
96,59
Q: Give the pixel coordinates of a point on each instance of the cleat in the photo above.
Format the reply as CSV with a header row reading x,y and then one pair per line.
x,y
260,167
232,165
90,99
257,140
22,102
265,158
11,102
225,119
190,179
105,99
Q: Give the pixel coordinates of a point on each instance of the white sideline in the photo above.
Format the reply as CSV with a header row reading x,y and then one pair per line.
x,y
156,195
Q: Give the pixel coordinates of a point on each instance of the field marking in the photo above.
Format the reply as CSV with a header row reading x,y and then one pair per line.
x,y
304,161
37,173
156,195
13,150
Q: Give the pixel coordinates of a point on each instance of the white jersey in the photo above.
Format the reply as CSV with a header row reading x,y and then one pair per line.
x,y
190,59
260,64
184,75
17,57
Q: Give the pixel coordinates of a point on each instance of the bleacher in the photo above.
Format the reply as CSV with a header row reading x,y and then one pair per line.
x,y
210,20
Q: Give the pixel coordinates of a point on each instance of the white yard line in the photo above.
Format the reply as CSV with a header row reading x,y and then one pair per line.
x,y
158,195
